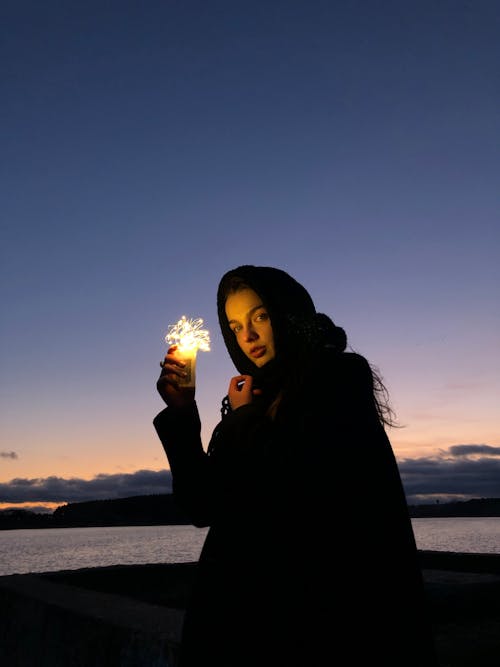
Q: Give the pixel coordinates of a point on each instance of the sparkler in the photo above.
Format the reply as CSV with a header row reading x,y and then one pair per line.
x,y
189,337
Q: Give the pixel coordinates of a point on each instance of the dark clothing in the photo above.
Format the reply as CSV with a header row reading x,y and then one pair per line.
x,y
310,553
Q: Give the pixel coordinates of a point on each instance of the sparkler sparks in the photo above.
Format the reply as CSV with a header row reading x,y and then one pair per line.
x,y
188,335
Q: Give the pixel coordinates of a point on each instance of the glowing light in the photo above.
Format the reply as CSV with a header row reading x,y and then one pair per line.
x,y
188,335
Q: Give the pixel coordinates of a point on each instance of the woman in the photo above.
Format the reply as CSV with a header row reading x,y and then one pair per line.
x,y
310,557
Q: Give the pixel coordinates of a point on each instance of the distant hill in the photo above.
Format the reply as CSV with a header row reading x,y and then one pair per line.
x,y
474,507
160,509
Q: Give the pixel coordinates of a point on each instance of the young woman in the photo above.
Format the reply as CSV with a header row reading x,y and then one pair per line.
x,y
310,558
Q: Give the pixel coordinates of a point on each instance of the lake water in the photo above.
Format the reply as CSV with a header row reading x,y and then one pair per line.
x,y
51,549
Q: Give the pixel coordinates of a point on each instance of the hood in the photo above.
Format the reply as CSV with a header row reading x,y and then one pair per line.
x,y
291,309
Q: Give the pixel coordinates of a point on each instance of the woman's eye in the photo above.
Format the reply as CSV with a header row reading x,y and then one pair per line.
x,y
262,317
236,328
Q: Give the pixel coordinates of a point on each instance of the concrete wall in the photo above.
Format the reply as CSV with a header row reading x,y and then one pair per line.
x,y
131,616
48,622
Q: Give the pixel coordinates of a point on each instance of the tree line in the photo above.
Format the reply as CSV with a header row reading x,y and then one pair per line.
x,y
161,509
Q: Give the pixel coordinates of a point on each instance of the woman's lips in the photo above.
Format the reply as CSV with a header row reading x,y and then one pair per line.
x,y
257,352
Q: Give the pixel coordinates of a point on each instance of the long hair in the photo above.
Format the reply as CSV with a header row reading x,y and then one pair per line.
x,y
385,411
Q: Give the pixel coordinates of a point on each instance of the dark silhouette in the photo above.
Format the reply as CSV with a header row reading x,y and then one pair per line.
x,y
152,510
300,452
132,511
161,510
474,507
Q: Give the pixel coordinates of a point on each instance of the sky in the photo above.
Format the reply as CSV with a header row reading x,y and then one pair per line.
x,y
149,147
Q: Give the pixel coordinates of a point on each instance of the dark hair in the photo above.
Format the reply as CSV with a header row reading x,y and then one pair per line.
x,y
385,412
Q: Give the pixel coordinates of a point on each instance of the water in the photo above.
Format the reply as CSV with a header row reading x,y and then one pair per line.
x,y
462,534
52,549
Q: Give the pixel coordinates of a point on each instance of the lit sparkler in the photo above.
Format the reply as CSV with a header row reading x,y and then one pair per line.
x,y
189,337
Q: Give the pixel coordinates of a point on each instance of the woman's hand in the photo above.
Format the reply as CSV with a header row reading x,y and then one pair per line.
x,y
241,391
174,394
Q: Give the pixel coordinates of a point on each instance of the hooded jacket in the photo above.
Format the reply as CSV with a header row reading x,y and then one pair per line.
x,y
294,504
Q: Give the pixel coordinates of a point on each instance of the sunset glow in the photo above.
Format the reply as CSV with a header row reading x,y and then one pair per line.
x,y
150,151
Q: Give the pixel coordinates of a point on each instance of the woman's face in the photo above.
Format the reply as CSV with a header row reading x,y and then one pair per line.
x,y
250,323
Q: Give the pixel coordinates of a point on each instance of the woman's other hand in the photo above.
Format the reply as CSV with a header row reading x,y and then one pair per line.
x,y
241,391
172,373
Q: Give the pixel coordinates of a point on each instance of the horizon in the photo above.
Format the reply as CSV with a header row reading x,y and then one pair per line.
x,y
44,509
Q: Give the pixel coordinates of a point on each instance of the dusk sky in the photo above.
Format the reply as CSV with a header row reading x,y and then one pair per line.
x,y
148,147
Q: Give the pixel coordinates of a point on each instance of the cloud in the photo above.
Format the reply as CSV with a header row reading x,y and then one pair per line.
x,y
474,450
101,487
8,455
461,472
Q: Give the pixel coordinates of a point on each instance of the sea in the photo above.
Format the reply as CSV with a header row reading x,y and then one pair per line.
x,y
53,549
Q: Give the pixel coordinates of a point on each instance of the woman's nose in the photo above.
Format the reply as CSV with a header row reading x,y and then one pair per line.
x,y
250,334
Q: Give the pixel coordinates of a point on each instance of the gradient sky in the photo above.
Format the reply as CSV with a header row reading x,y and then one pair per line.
x,y
148,147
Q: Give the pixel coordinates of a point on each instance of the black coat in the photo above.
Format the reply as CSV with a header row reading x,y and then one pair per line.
x,y
310,554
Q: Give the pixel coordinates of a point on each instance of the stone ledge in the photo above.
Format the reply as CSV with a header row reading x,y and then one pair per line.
x,y
49,624
131,616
